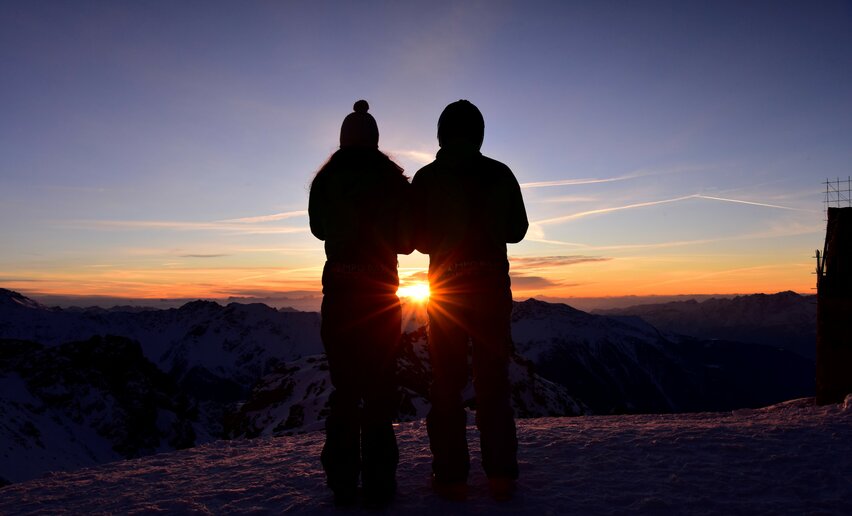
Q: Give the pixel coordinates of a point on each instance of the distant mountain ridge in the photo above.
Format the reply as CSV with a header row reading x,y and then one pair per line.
x,y
237,342
625,365
786,319
249,370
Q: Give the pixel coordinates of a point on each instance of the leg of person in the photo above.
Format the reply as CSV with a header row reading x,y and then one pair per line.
x,y
446,421
340,455
379,451
492,347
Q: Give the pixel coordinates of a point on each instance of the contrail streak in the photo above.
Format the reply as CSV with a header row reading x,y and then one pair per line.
x,y
183,226
590,181
582,214
569,182
752,203
785,232
268,218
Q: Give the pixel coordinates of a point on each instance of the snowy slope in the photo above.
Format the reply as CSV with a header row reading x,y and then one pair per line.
x,y
214,353
84,403
293,398
624,365
791,458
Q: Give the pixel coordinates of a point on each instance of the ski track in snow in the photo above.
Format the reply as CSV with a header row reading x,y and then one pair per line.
x,y
792,458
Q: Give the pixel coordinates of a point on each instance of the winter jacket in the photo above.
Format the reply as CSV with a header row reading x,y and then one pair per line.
x,y
466,207
355,207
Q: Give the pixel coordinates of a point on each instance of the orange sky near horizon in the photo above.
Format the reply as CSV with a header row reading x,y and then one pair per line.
x,y
661,148
611,278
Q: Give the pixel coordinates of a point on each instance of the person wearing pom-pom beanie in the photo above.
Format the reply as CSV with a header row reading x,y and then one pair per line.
x,y
466,208
355,206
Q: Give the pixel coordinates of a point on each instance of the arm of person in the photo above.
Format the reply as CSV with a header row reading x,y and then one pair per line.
x,y
316,208
418,212
405,218
516,223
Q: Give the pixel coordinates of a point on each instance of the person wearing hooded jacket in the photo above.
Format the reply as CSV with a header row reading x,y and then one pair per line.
x,y
355,206
466,207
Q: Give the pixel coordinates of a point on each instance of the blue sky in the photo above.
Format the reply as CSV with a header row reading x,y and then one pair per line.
x,y
165,149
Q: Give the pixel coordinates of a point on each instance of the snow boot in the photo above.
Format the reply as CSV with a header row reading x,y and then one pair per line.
x,y
501,488
378,495
345,497
452,491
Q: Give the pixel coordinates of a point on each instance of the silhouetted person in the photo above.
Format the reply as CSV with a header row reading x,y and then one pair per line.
x,y
354,206
466,208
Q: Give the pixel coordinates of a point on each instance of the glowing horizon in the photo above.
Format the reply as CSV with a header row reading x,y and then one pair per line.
x,y
604,282
417,291
146,153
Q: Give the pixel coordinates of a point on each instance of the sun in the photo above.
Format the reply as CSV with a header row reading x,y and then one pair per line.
x,y
417,291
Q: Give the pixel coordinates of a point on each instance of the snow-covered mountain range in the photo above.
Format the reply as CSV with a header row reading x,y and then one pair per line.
x,y
218,371
294,397
785,319
81,403
622,364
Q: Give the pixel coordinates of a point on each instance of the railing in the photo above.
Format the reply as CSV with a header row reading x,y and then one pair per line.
x,y
838,193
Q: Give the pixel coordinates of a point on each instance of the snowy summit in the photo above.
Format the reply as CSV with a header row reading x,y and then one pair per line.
x,y
791,458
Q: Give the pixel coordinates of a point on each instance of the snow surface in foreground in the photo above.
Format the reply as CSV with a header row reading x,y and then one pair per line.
x,y
792,458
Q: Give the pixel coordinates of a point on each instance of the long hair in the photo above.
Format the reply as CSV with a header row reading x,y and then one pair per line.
x,y
372,160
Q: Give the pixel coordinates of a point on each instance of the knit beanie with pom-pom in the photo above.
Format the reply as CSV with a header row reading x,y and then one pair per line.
x,y
359,128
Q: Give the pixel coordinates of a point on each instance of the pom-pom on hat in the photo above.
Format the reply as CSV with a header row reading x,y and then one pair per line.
x,y
359,128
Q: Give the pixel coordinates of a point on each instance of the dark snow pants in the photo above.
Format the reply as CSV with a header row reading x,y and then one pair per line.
x,y
477,308
361,324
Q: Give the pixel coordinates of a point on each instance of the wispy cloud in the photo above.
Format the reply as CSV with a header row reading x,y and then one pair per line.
x,y
571,182
268,218
283,250
269,295
774,232
635,174
622,247
414,155
533,262
600,211
595,180
170,225
569,198
258,224
522,282
211,251
581,214
751,203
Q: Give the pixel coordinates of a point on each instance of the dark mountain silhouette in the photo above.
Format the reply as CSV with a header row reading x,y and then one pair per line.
x,y
783,320
246,370
84,402
625,365
294,397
